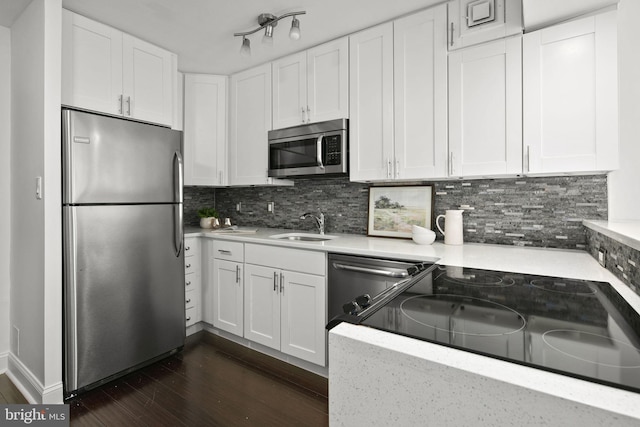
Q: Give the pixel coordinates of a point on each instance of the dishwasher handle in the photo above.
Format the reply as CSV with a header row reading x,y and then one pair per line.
x,y
376,271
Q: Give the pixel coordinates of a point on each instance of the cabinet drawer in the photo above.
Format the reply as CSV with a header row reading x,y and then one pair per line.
x,y
191,247
191,298
190,316
192,264
231,251
310,262
191,281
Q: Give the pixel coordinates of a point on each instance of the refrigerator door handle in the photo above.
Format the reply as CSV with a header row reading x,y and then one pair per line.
x,y
177,228
178,165
70,285
177,188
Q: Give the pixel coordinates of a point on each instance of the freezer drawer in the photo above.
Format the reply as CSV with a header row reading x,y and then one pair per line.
x,y
123,289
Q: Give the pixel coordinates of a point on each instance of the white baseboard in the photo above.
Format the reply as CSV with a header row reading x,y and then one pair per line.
x,y
4,362
30,387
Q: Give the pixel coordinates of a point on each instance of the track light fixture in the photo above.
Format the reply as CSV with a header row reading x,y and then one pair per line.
x,y
269,22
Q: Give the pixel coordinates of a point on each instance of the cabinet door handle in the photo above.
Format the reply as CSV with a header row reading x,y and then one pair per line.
x,y
451,167
120,101
188,284
302,110
397,169
528,158
189,300
451,41
308,114
188,318
188,266
128,106
275,281
388,168
220,179
237,274
282,283
224,252
188,248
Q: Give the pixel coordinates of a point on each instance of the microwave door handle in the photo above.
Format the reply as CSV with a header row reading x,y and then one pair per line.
x,y
319,152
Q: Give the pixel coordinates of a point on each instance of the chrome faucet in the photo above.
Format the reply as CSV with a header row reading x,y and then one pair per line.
x,y
319,220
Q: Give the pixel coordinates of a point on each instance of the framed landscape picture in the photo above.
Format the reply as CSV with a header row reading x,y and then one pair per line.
x,y
393,210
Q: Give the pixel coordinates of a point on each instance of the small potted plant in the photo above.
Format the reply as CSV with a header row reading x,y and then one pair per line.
x,y
206,217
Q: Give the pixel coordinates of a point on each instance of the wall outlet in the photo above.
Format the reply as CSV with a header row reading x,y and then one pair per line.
x,y
270,207
239,207
602,257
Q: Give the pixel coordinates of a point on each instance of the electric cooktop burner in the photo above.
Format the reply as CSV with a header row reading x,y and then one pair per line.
x,y
565,286
574,327
476,278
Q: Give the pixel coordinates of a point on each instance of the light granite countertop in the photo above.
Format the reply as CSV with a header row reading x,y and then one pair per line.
x,y
626,232
550,262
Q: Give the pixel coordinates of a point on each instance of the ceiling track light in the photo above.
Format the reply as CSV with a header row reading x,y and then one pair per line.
x,y
268,22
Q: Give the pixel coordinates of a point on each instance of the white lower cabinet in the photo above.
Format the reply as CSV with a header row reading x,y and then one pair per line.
x,y
192,281
286,309
226,280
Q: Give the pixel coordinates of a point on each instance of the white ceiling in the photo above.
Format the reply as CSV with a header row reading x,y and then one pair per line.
x,y
201,31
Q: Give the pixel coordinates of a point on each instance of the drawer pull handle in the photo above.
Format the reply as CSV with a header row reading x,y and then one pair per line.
x,y
189,300
188,265
275,281
188,318
188,248
188,283
224,251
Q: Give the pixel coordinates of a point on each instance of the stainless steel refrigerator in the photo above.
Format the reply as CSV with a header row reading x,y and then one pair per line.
x,y
123,259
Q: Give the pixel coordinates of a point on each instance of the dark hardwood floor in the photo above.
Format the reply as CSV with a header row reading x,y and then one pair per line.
x,y
212,382
9,393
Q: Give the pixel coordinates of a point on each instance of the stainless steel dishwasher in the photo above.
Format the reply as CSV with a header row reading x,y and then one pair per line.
x,y
350,276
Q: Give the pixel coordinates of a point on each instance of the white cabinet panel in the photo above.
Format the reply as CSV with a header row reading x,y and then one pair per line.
x,y
371,103
328,81
147,81
420,95
205,136
398,99
262,305
303,316
289,90
227,295
91,64
485,109
570,96
311,86
112,72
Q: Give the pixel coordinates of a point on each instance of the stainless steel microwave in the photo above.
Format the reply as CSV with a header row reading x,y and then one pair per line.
x,y
311,149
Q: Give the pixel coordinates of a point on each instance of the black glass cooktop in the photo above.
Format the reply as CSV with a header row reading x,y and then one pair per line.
x,y
581,328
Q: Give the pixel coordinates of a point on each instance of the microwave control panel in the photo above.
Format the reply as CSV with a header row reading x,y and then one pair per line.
x,y
333,150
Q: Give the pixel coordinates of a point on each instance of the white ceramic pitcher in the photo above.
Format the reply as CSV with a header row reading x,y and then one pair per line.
x,y
453,220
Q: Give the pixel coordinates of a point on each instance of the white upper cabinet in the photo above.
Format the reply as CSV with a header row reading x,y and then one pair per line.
x,y
485,109
478,21
108,71
205,129
250,102
311,86
571,96
250,121
371,103
420,95
398,99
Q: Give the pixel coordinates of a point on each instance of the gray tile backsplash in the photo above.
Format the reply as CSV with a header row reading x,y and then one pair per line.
x,y
543,212
622,260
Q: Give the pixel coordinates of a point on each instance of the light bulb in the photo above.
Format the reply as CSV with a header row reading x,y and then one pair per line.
x,y
294,33
268,35
245,50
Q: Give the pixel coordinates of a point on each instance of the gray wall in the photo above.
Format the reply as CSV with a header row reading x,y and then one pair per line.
x,y
543,212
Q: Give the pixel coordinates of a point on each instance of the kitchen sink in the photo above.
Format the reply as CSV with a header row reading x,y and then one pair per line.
x,y
306,237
